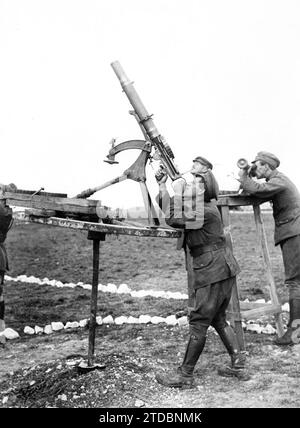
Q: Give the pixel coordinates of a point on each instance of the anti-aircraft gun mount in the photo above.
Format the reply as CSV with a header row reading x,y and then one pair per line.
x,y
154,142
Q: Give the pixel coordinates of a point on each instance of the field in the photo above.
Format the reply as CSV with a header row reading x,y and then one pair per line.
x,y
40,370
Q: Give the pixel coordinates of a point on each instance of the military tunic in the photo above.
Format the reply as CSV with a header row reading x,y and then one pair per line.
x,y
214,266
285,199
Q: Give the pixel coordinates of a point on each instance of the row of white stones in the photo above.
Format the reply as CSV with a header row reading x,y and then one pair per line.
x,y
171,320
112,288
109,288
9,333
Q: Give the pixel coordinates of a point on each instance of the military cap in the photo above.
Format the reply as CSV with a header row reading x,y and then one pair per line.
x,y
203,161
267,157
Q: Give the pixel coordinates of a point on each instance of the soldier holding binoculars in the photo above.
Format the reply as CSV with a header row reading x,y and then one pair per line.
x,y
285,198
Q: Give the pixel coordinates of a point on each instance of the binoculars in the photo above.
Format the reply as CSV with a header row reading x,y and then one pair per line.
x,y
242,163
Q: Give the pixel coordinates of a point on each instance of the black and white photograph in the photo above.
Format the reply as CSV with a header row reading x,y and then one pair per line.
x,y
150,207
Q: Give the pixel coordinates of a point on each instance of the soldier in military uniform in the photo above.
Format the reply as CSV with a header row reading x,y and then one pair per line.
x,y
214,268
285,198
5,224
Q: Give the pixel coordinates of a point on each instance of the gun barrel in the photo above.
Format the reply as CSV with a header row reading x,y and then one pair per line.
x,y
145,119
135,101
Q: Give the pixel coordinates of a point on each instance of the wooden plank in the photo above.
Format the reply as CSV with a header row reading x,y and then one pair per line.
x,y
251,305
106,228
234,305
236,200
42,193
267,262
69,205
260,311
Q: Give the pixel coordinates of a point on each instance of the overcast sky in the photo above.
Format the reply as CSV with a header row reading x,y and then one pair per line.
x,y
221,78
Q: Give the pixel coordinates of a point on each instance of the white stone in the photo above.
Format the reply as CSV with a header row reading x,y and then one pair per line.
x,y
285,307
179,296
83,323
72,324
260,301
139,403
45,280
137,293
157,320
123,288
87,286
28,330
99,320
246,300
256,328
59,284
10,334
70,285
182,321
80,283
111,288
132,320
120,320
171,320
56,326
101,287
155,293
108,320
62,397
22,278
38,329
268,329
144,319
48,329
134,293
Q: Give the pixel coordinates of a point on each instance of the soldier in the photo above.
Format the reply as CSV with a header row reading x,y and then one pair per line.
x,y
5,224
214,268
285,198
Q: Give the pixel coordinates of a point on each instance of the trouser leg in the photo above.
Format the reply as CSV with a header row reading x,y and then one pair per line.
x,y
291,259
193,351
184,375
199,321
2,309
290,337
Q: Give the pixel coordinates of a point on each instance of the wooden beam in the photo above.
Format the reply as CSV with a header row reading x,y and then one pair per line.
x,y
106,228
69,205
260,311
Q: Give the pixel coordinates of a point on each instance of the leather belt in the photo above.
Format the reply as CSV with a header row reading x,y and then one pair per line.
x,y
201,249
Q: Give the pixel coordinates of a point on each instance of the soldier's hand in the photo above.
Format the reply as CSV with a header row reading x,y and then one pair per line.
x,y
161,175
242,173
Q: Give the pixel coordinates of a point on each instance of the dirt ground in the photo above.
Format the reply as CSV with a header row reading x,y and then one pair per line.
x,y
42,370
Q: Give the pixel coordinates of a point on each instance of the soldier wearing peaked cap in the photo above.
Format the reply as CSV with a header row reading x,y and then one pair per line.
x,y
285,198
214,270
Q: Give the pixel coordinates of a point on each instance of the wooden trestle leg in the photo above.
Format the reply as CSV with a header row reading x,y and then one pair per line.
x,y
234,311
96,237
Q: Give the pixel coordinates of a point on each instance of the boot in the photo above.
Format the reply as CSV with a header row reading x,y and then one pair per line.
x,y
184,375
238,358
287,338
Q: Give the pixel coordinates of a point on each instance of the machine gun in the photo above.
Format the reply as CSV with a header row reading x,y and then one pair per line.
x,y
153,139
